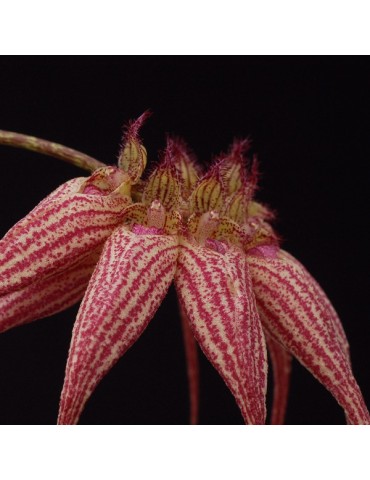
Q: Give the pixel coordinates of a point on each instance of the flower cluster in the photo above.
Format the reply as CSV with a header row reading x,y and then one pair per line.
x,y
117,242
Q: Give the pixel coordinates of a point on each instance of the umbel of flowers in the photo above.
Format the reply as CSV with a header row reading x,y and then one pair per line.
x,y
118,239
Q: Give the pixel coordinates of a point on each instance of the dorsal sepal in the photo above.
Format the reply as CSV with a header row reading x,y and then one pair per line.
x,y
132,158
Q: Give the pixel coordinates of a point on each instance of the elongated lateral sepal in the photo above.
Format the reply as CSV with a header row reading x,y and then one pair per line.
x,y
128,285
215,290
61,229
60,193
296,317
47,296
325,303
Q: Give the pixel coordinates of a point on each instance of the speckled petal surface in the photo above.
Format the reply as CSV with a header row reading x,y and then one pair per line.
x,y
48,295
131,279
216,293
325,302
55,234
296,316
63,191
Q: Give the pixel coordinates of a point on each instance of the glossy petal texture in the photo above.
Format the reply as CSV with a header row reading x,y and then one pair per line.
x,y
192,366
281,361
127,287
216,293
48,295
55,234
294,315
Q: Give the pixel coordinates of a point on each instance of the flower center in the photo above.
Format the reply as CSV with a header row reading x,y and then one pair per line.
x,y
107,181
207,225
155,219
156,215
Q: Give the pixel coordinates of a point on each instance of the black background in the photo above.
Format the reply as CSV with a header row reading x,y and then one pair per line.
x,y
309,120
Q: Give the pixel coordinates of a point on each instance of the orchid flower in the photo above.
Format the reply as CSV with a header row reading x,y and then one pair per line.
x,y
119,242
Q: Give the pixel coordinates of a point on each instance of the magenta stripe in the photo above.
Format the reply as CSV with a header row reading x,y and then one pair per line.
x,y
87,371
275,294
121,305
25,270
67,188
90,340
133,313
47,296
305,333
245,379
327,308
343,389
239,391
42,234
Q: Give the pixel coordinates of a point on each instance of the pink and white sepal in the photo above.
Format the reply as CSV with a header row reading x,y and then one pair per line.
x,y
299,318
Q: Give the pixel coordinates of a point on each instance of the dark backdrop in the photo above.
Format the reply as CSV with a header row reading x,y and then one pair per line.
x,y
309,120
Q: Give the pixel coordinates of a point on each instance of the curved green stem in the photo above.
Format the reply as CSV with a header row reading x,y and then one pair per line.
x,y
79,159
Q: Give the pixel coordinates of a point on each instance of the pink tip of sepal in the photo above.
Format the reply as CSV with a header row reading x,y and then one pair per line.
x,y
131,129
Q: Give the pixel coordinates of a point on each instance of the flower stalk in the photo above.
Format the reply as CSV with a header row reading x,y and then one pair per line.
x,y
51,149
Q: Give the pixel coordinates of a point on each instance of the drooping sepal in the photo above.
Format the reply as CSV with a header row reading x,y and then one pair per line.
x,y
216,293
128,285
64,227
49,295
63,191
326,305
299,319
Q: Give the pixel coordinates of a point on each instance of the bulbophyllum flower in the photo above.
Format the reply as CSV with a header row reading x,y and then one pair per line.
x,y
48,257
120,242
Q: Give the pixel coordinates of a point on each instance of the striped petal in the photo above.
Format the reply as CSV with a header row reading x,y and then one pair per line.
x,y
55,234
59,193
131,279
297,317
281,361
325,303
48,295
216,293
